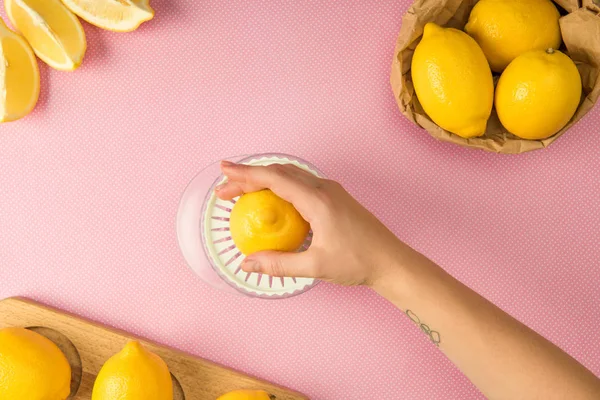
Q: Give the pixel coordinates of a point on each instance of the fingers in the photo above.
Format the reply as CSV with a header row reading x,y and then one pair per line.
x,y
291,265
230,190
240,180
287,181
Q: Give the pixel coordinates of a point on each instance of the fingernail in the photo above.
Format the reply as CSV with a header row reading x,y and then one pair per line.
x,y
250,265
220,186
226,163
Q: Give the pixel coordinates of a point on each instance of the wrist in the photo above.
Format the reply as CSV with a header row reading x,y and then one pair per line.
x,y
391,267
403,273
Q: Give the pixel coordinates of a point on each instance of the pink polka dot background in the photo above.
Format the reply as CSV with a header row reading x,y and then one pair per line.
x,y
90,183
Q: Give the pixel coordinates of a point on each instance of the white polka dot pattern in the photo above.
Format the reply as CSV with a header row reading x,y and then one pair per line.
x,y
90,183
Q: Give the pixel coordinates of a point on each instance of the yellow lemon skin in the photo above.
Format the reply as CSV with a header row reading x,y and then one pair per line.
x,y
54,32
32,367
19,76
133,374
506,29
453,81
116,16
263,221
538,93
247,395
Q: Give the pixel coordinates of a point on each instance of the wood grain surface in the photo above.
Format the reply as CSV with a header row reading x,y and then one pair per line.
x,y
200,379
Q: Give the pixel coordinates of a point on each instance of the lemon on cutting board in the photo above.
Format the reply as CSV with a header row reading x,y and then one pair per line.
x,y
19,76
113,15
262,221
506,29
54,32
32,367
247,395
133,374
453,81
538,93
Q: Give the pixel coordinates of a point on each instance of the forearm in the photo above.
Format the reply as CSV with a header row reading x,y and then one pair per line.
x,y
501,356
505,359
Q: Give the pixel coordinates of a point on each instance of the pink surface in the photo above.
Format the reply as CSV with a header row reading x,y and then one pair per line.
x,y
89,187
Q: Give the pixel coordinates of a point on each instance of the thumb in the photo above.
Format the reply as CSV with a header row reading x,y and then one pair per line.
x,y
279,264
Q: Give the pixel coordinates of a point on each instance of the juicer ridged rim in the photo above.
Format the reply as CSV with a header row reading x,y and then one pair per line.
x,y
254,159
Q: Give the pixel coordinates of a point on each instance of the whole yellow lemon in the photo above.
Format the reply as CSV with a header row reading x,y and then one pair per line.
x,y
538,93
133,374
262,221
247,395
32,367
506,29
453,81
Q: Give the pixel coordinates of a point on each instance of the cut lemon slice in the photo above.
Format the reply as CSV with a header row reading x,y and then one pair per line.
x,y
113,15
19,76
55,34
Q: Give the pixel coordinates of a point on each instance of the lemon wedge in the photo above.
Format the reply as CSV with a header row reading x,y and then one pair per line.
x,y
55,34
19,76
113,15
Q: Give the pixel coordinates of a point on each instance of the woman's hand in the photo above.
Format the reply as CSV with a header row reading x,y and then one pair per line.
x,y
350,246
501,356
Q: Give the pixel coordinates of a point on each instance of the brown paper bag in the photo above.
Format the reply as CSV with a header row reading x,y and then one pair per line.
x,y
580,30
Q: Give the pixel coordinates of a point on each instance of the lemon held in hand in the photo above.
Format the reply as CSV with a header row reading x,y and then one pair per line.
x,y
19,76
453,81
133,374
32,367
538,93
247,395
506,29
263,221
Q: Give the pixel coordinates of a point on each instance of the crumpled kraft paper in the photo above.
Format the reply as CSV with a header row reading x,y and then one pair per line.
x,y
580,30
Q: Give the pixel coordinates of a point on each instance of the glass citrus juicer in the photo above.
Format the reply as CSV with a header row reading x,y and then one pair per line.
x,y
205,240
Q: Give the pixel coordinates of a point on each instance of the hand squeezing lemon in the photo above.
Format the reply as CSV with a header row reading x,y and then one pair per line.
x,y
263,221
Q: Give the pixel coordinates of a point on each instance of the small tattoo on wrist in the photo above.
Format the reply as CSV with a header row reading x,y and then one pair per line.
x,y
433,335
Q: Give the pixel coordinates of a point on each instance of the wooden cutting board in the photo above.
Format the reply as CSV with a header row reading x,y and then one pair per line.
x,y
199,379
